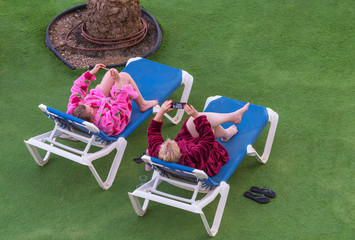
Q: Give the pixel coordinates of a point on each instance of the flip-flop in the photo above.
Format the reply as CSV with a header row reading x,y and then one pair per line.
x,y
139,159
264,190
257,197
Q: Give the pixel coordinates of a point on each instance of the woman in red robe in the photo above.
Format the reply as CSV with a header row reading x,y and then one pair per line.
x,y
195,145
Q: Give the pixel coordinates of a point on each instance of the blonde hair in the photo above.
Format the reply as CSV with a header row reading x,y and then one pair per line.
x,y
169,151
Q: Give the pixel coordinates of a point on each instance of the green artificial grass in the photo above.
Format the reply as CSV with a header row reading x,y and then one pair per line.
x,y
296,57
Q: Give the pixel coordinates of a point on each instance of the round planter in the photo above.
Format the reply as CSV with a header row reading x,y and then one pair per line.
x,y
144,13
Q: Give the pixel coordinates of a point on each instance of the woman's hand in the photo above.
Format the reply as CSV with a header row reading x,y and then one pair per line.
x,y
191,111
96,68
164,108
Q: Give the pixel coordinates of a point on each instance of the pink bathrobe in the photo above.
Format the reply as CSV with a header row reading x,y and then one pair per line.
x,y
113,112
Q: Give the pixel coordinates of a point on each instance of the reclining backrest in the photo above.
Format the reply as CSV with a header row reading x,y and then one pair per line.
x,y
173,170
72,123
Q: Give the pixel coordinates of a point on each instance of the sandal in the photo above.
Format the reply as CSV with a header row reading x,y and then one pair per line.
x,y
257,197
264,190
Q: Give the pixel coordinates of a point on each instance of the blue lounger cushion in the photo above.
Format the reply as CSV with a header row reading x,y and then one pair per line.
x,y
155,81
252,124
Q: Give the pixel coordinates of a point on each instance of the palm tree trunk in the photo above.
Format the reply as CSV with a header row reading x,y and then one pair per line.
x,y
111,19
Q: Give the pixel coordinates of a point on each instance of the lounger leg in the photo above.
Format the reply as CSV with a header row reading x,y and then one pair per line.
x,y
122,143
223,191
30,144
138,208
273,119
33,142
140,211
35,154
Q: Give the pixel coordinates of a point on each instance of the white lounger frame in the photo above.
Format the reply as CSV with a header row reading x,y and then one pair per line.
x,y
47,141
149,191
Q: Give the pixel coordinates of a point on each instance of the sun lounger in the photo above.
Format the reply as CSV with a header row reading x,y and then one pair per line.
x,y
252,124
155,81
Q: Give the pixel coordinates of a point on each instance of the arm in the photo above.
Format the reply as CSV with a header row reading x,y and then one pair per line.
x,y
80,87
201,151
97,68
155,139
165,107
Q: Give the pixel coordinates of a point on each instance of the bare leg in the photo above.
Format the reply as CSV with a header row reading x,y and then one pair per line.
x,y
143,104
225,134
216,119
106,83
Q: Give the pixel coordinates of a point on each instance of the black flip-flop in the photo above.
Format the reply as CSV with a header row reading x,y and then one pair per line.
x,y
138,160
257,197
264,190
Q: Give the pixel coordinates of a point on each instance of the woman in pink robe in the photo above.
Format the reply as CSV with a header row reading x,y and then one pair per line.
x,y
109,104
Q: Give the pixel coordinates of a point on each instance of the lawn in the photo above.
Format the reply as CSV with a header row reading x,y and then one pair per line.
x,y
296,57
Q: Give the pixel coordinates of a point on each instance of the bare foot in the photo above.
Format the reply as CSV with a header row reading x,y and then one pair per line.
x,y
230,132
147,168
147,105
240,112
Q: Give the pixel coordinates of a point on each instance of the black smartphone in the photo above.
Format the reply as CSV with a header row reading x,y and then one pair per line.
x,y
177,105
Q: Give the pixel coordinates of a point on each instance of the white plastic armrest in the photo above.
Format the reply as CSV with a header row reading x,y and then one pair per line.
x,y
210,99
91,127
43,107
200,174
147,159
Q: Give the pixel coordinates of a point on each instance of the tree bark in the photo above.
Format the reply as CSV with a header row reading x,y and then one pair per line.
x,y
111,19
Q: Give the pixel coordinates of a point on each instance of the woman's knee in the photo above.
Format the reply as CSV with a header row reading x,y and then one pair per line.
x,y
106,84
125,78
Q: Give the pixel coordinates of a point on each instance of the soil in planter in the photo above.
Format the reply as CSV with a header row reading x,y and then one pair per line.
x,y
83,59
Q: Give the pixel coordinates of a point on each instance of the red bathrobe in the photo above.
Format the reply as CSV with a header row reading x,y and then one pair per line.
x,y
203,153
